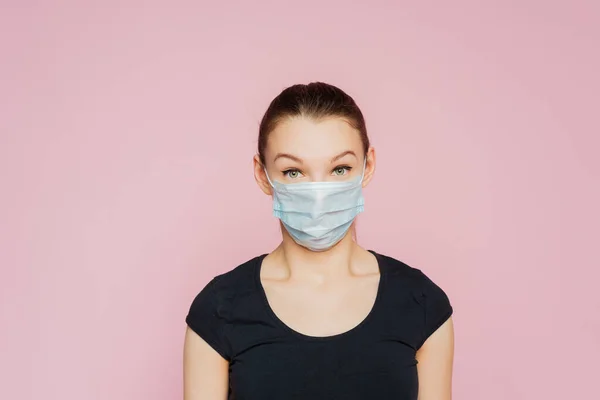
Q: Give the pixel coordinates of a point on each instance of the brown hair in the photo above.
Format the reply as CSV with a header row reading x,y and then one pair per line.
x,y
316,100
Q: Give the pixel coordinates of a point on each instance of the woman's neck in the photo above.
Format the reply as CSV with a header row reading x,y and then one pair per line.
x,y
303,264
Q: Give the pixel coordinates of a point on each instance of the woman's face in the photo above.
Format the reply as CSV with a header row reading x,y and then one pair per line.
x,y
301,149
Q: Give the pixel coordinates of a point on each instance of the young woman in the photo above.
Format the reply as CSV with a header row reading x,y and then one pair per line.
x,y
319,317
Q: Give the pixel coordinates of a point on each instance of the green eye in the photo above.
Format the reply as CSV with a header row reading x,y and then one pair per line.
x,y
292,173
340,171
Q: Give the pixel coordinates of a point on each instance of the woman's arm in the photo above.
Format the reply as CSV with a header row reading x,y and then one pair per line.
x,y
435,359
205,372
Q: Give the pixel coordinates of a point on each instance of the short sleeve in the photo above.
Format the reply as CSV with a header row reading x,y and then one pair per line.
x,y
205,319
437,307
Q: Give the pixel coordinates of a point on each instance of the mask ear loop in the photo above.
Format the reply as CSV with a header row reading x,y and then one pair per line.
x,y
267,175
364,168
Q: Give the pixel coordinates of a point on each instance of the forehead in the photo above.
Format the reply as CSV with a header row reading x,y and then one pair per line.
x,y
309,138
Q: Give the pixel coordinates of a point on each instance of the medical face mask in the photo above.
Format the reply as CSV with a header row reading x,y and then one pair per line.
x,y
317,215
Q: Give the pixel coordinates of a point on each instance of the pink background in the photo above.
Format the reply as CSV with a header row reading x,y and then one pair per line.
x,y
127,134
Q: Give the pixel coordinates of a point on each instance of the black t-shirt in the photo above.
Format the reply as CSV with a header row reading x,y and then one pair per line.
x,y
270,361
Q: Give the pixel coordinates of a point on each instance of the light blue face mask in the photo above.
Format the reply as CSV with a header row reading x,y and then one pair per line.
x,y
317,215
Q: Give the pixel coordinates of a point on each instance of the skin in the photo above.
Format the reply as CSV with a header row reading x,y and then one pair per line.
x,y
317,293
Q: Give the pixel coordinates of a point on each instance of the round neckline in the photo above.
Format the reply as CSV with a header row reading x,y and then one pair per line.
x,y
287,328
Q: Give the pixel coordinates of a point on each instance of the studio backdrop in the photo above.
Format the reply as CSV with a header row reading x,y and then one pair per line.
x,y
127,131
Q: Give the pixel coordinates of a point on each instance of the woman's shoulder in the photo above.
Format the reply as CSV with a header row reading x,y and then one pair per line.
x,y
237,278
433,302
400,273
395,267
213,305
211,309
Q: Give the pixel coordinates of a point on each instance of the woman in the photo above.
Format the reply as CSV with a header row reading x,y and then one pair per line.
x,y
319,317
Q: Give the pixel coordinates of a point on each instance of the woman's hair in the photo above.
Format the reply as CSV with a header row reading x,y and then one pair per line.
x,y
316,100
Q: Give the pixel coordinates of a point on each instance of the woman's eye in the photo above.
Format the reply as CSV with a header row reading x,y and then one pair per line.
x,y
339,171
292,173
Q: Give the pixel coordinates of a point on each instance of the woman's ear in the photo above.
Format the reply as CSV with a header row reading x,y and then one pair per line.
x,y
369,166
260,176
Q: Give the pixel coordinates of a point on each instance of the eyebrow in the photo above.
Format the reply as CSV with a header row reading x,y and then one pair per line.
x,y
286,155
299,160
345,153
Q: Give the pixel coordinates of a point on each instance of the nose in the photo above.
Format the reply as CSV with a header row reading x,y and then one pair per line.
x,y
318,178
318,203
